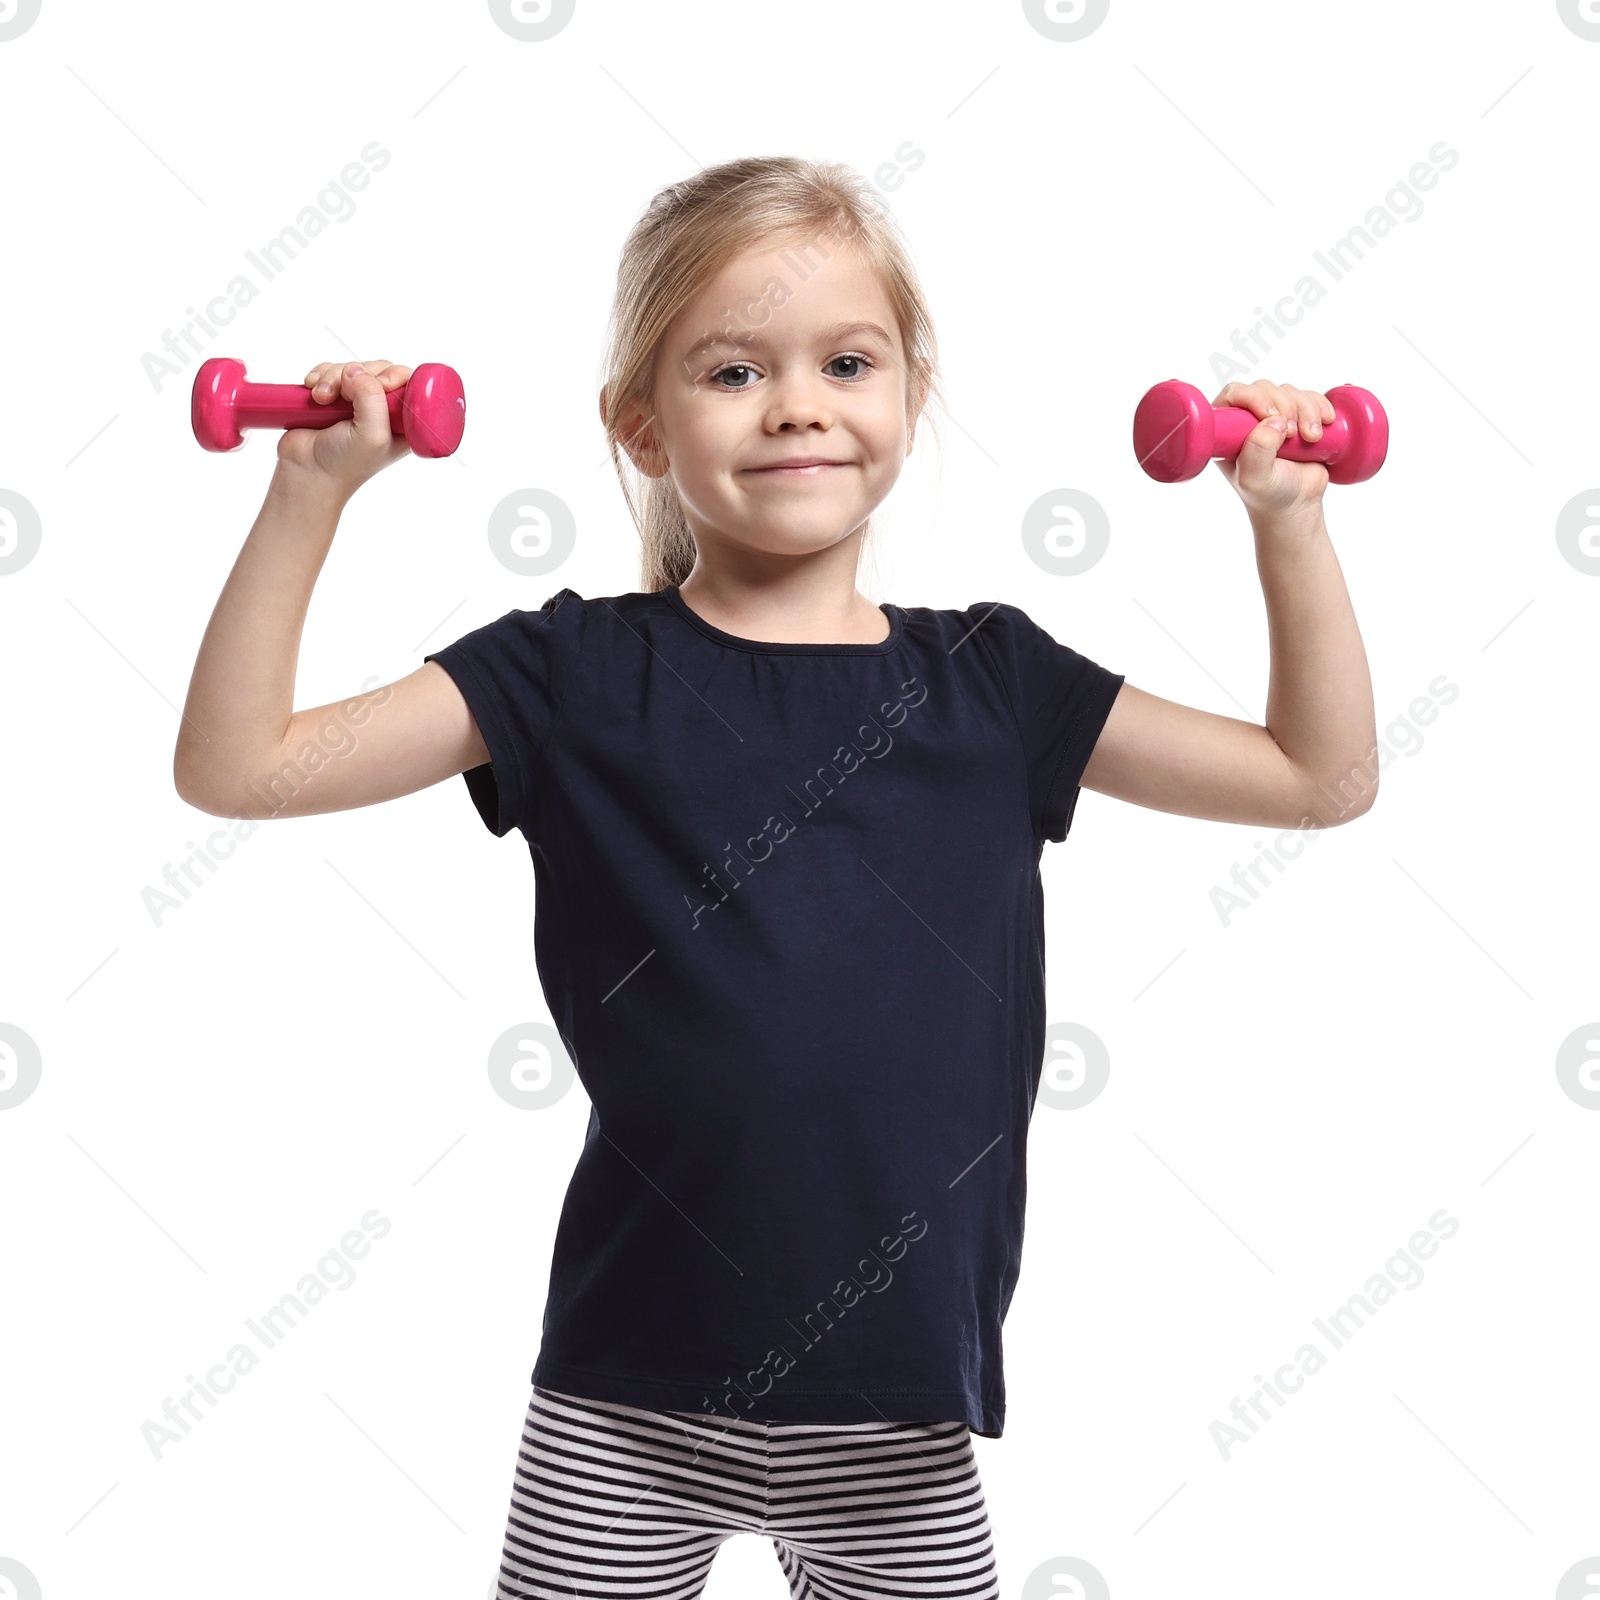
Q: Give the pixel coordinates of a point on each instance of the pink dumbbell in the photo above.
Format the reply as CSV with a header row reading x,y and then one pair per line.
x,y
1176,431
430,409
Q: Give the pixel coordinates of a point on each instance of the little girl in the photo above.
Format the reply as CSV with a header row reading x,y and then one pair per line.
x,y
789,920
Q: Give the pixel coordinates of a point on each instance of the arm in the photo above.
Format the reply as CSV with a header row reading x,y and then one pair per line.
x,y
242,750
1314,762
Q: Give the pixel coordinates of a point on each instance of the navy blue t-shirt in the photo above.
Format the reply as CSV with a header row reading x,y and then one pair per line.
x,y
788,921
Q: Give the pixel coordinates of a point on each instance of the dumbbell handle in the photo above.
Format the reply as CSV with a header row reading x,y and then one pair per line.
x,y
428,411
1232,425
289,405
1176,431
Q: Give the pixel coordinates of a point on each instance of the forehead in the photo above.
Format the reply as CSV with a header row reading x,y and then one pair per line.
x,y
783,294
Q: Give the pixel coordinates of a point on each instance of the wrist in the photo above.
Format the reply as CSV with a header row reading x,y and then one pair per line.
x,y
1302,521
307,493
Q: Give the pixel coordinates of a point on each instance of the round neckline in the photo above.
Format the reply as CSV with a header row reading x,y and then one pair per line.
x,y
767,647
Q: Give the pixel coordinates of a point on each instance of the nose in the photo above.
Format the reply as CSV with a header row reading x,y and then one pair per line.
x,y
798,400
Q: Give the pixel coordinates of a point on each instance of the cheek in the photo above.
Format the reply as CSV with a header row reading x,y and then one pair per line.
x,y
704,437
887,437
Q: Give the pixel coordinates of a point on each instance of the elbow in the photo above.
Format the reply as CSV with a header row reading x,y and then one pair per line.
x,y
1360,809
1330,802
188,775
192,794
194,790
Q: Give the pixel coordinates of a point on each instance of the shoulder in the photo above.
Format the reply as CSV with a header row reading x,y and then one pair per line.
x,y
991,631
566,618
1001,642
968,616
599,611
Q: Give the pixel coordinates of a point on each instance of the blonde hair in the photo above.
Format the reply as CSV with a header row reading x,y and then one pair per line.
x,y
688,233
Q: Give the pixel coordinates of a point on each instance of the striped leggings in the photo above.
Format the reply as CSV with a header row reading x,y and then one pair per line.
x,y
615,1500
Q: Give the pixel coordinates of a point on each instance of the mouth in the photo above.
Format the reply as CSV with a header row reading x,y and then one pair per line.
x,y
805,467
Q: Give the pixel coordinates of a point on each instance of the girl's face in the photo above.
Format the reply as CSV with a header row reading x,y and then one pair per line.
x,y
786,356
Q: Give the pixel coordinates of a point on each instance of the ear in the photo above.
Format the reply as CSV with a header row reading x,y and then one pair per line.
x,y
918,402
636,434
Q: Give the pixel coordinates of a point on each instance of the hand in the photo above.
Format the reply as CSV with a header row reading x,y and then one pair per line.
x,y
345,454
1269,485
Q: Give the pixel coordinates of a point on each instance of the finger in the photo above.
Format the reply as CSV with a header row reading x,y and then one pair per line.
x,y
1282,401
1258,452
317,380
1296,408
387,373
1245,396
1311,407
1301,408
366,397
1261,397
328,378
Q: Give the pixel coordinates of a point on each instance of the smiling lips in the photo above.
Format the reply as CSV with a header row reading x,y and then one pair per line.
x,y
801,466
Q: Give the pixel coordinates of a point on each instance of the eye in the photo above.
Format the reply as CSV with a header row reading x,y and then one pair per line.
x,y
864,362
736,366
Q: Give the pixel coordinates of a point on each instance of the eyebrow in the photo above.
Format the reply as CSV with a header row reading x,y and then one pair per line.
x,y
824,336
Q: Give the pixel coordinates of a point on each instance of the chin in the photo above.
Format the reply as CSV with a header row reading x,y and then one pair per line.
x,y
798,542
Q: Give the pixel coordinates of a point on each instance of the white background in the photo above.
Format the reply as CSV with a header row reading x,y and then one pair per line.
x,y
1292,1095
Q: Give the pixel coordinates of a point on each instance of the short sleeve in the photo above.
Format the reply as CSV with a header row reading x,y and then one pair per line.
x,y
1061,700
513,673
